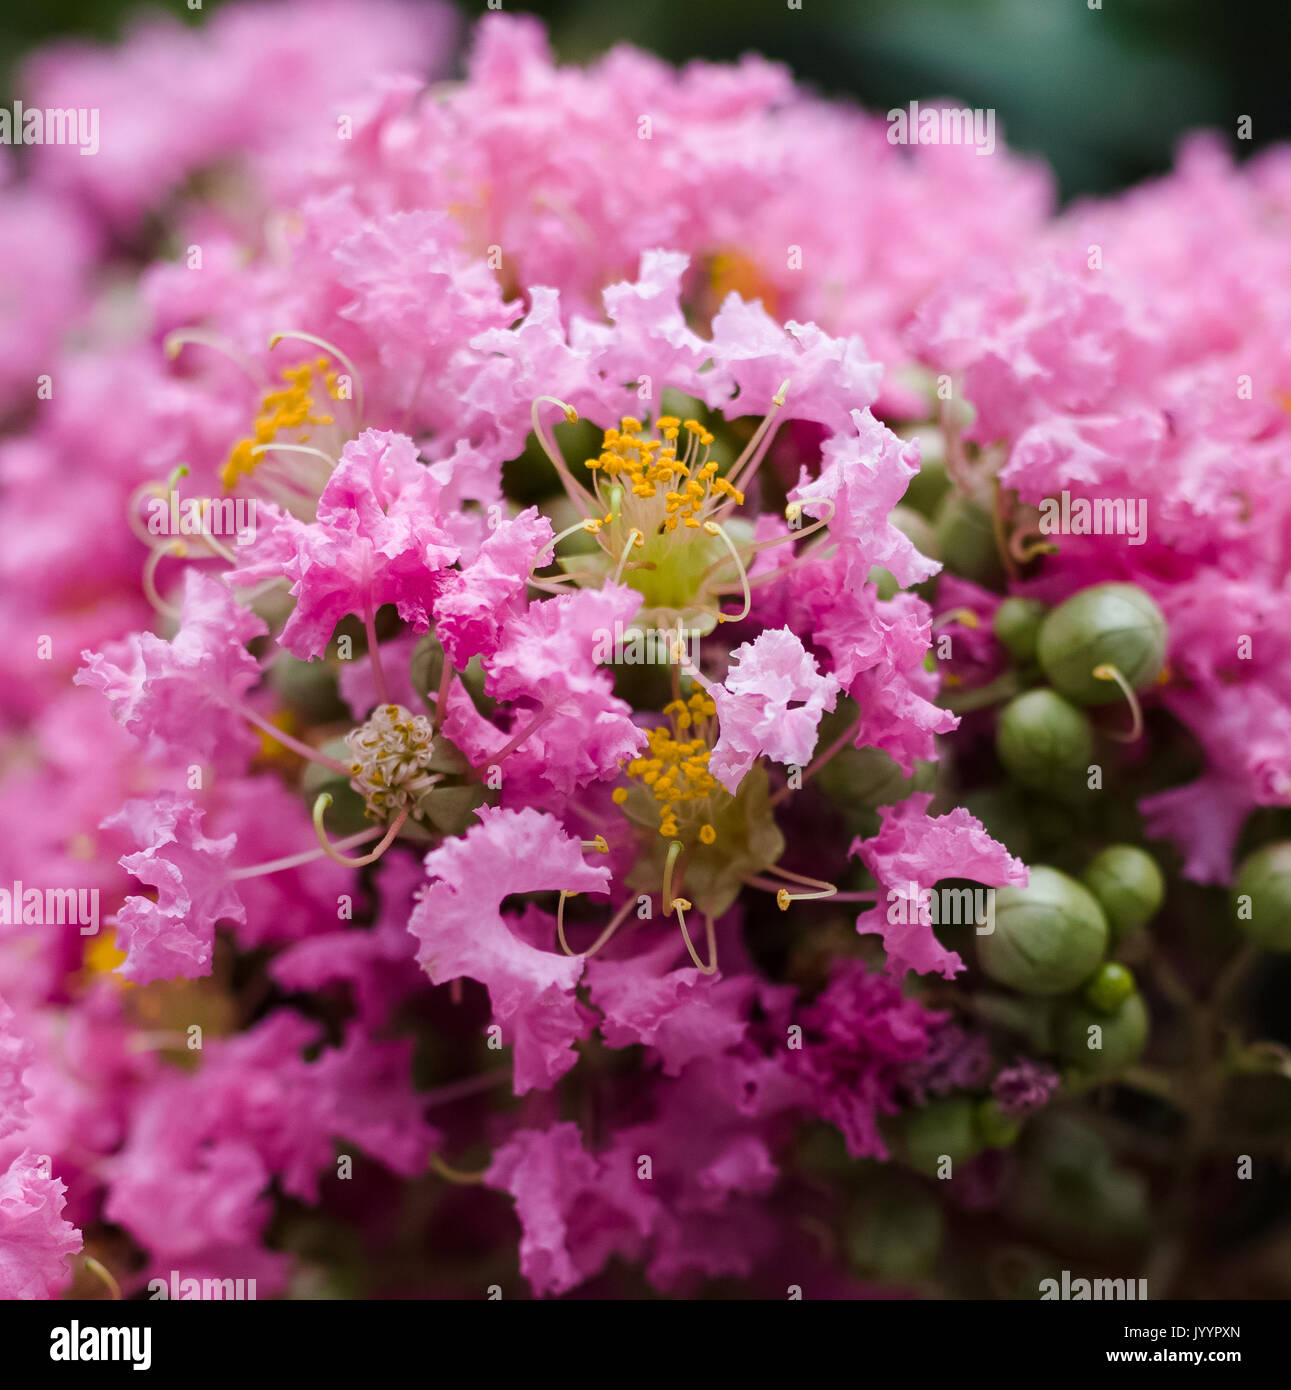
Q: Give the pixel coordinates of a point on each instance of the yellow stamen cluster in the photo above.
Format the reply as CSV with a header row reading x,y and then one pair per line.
x,y
675,767
291,408
392,752
651,465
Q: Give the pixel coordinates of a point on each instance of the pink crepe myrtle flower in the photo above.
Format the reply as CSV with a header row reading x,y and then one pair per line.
x,y
175,935
203,1147
183,696
478,598
770,704
861,1038
573,1212
680,1014
175,101
377,539
35,1237
462,931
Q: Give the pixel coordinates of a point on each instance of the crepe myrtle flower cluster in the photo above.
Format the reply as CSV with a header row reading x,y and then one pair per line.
x,y
385,827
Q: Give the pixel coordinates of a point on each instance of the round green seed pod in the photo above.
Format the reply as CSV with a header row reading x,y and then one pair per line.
x,y
1127,884
1017,626
1109,987
966,542
1109,624
1120,1039
1045,743
1048,937
1262,896
941,1127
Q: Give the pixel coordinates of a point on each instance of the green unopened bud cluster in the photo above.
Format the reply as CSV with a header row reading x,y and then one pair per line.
x,y
1051,939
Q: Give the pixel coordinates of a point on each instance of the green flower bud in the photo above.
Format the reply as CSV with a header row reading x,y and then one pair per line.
x,y
1262,896
941,1127
1111,985
1109,624
1048,936
1119,1040
1045,743
1127,884
1017,625
966,542
996,1129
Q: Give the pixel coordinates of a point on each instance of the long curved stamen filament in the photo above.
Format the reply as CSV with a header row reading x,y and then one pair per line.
x,y
260,449
174,343
614,924
714,529
294,861
964,616
455,1175
1107,672
669,863
175,549
784,897
321,803
218,547
276,338
1026,545
792,512
101,1271
634,538
578,494
591,525
151,489
755,450
710,938
999,527
313,755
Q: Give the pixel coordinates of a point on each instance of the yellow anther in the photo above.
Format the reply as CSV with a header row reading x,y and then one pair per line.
x,y
619,795
707,834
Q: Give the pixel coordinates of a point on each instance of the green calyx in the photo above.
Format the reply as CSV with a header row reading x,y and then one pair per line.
x,y
1108,625
1048,937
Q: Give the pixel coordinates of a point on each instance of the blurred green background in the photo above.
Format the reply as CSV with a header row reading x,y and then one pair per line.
x,y
1102,94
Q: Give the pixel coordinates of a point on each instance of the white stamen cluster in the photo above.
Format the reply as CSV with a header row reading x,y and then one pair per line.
x,y
392,753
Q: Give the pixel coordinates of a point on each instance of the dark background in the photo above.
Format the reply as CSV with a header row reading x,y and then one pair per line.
x,y
1103,95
